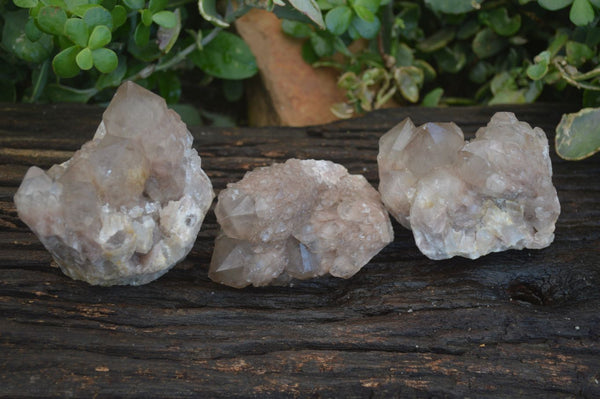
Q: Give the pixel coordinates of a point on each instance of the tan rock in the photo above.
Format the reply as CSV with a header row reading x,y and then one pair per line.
x,y
296,93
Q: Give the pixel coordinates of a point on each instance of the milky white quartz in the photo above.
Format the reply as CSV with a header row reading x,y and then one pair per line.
x,y
128,205
299,219
470,198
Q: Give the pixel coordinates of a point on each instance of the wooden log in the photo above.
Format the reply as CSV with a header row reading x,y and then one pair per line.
x,y
512,324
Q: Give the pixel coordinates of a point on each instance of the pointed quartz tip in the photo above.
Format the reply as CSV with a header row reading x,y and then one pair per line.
x,y
128,205
470,198
297,220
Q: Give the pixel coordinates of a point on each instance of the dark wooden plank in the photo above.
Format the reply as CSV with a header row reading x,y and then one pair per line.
x,y
512,324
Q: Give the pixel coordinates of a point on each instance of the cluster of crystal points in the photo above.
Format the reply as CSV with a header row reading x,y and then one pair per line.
x,y
128,205
300,219
469,199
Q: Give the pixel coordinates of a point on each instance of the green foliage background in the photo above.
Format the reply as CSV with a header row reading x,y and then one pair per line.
x,y
428,52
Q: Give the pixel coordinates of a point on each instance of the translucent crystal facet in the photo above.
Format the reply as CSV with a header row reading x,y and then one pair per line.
x,y
128,205
299,219
469,199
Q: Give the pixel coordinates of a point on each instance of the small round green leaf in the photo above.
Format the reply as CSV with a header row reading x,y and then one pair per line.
x,y
371,5
432,99
503,81
509,97
134,4
502,23
453,6
105,60
157,5
227,56
72,5
84,59
146,17
100,37
296,29
537,71
114,78
119,16
338,19
486,43
438,40
367,30
64,63
96,16
77,31
451,59
468,29
52,20
578,53
26,3
364,13
578,135
582,12
554,5
32,31
141,35
81,9
166,19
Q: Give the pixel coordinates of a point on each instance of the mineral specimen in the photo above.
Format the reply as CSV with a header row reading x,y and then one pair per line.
x,y
469,199
299,219
128,205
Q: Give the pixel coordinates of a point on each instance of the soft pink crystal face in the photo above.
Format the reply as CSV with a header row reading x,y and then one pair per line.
x,y
128,205
487,195
299,219
407,153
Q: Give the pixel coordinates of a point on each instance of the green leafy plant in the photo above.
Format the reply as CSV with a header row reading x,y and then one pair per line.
x,y
75,50
442,52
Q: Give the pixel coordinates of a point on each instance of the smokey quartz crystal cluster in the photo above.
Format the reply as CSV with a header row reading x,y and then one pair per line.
x,y
470,198
300,219
129,204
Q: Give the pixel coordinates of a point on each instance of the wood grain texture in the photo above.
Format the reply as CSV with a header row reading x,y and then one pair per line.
x,y
512,324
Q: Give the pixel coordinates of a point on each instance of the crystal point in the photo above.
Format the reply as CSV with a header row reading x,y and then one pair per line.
x,y
128,205
300,219
469,199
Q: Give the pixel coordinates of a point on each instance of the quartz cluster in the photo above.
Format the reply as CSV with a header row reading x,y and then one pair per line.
x,y
300,219
470,198
129,204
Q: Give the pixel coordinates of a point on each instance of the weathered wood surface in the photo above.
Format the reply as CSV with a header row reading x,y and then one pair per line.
x,y
513,324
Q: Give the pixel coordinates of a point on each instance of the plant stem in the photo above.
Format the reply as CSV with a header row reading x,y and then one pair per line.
x,y
588,75
180,56
573,80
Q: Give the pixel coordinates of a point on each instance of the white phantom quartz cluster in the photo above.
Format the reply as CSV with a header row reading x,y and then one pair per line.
x,y
470,198
300,219
129,204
